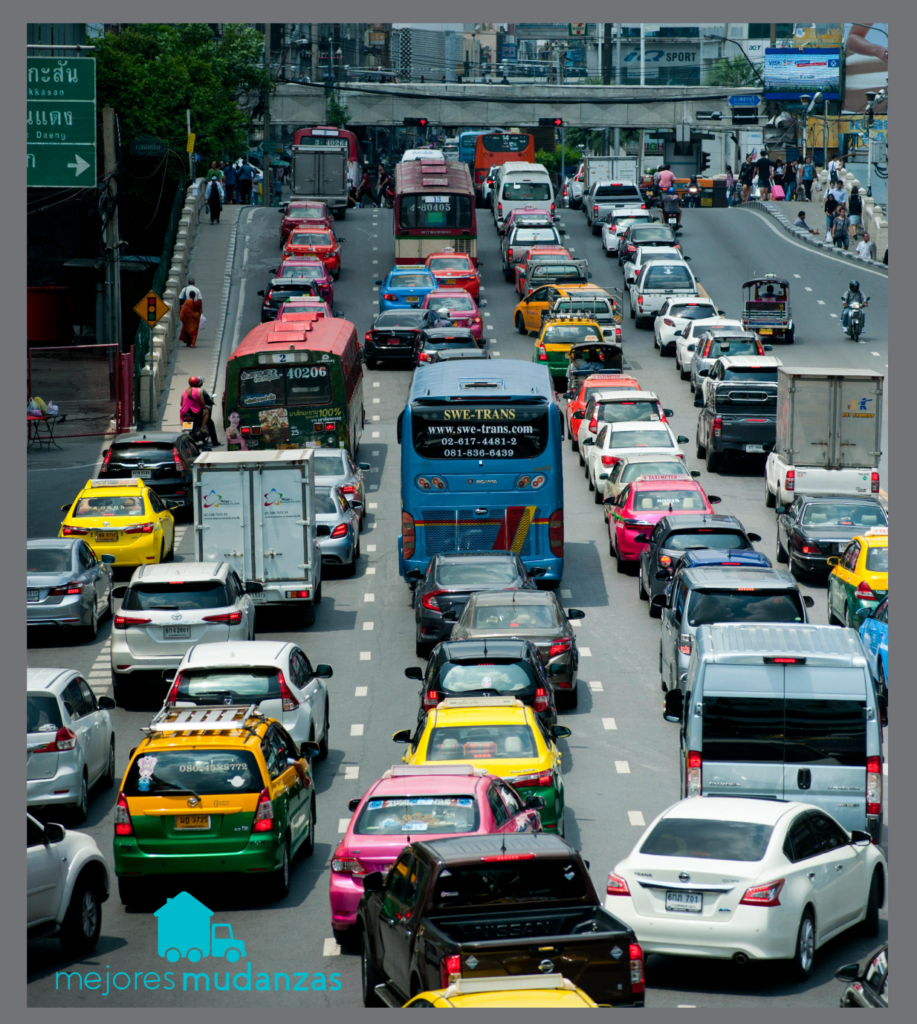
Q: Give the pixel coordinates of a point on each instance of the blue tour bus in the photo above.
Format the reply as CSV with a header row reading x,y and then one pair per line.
x,y
481,465
467,141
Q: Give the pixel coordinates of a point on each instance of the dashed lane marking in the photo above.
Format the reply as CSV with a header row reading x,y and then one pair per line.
x,y
375,433
352,771
376,419
609,723
875,354
807,288
374,504
369,597
566,593
342,827
361,691
331,948
371,571
635,817
596,686
376,384
366,655
821,302
377,401
368,625
622,767
370,547
584,652
356,729
797,275
495,353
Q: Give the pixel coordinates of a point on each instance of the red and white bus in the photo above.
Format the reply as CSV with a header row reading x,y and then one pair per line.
x,y
434,210
326,135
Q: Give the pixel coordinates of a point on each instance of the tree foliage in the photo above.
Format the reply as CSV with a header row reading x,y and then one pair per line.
x,y
551,161
337,113
731,71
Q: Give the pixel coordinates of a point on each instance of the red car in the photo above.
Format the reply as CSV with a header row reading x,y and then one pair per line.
x,y
304,213
318,242
556,251
455,270
580,398
463,310
641,504
306,268
417,802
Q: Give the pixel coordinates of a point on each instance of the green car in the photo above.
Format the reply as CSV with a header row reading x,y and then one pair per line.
x,y
556,339
859,578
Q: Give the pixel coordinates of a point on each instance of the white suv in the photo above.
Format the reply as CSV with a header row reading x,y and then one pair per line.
x,y
660,281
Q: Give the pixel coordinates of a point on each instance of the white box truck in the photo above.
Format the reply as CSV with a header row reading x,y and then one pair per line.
x,y
608,168
320,172
829,434
256,510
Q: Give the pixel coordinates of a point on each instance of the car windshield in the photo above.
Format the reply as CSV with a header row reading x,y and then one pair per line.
x,y
513,616
571,334
177,595
109,505
625,412
396,815
468,573
43,713
519,881
641,439
144,451
481,742
310,238
200,772
666,277
450,263
718,540
634,470
528,236
329,465
410,281
492,676
744,604
707,839
836,513
456,303
877,560
691,311
681,500
49,560
217,684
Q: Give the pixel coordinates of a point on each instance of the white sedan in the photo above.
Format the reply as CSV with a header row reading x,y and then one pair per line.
x,y
649,254
675,315
616,223
687,340
732,878
615,440
632,467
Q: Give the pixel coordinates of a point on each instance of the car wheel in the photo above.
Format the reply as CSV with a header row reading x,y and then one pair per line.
x,y
804,957
699,450
422,648
848,618
92,629
80,811
882,682
597,497
308,614
316,597
370,363
609,253
572,697
132,891
507,274
308,845
369,975
782,556
582,461
520,324
170,554
574,444
346,938
870,924
770,500
620,564
108,779
118,690
713,461
633,315
790,336
278,882
641,593
82,924
323,744
683,373
589,478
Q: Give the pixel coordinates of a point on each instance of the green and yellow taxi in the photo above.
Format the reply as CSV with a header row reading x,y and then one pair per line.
x,y
214,790
124,518
523,991
558,335
859,578
501,735
527,315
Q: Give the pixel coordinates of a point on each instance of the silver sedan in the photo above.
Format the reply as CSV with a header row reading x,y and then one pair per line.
x,y
337,469
67,585
337,524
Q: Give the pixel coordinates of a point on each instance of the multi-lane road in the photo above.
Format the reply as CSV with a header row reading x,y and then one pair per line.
x,y
620,764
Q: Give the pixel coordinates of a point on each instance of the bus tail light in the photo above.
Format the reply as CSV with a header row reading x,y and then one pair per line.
x,y
790,480
874,487
717,426
693,769
555,533
408,535
873,785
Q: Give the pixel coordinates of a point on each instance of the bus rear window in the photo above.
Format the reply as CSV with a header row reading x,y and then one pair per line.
x,y
293,386
479,432
435,211
519,191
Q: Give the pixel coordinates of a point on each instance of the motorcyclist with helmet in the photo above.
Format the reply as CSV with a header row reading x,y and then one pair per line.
x,y
692,195
853,294
441,318
671,204
196,406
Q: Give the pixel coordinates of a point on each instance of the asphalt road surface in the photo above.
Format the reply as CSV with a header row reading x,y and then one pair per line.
x,y
620,764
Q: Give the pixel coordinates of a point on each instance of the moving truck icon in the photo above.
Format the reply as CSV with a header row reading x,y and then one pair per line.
x,y
185,931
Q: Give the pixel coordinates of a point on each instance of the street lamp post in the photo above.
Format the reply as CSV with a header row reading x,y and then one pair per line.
x,y
735,42
805,97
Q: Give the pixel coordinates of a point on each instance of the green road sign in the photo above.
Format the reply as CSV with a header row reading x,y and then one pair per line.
x,y
61,122
146,145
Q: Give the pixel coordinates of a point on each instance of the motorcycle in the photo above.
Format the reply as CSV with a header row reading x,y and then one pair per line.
x,y
856,319
672,220
692,196
388,197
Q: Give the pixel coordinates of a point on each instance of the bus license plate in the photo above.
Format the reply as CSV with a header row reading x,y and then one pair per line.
x,y
684,902
176,632
142,474
200,821
31,595
107,536
754,448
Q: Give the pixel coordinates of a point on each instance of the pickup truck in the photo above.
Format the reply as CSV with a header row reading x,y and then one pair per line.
x,y
562,272
605,196
738,416
491,906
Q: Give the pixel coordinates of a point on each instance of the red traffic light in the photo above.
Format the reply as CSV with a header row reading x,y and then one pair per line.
x,y
422,121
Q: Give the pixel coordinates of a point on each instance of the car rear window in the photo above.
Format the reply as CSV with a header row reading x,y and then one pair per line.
x,y
708,840
824,513
661,233
328,465
617,192
180,595
410,281
625,412
571,334
308,273
877,560
147,451
681,500
520,881
691,312
520,191
528,236
210,771
641,439
49,560
487,677
283,291
600,307
443,344
451,263
215,685
744,604
718,540
457,574
509,616
43,713
397,815
756,373
481,742
402,318
634,470
109,505
460,303
325,504
310,238
666,278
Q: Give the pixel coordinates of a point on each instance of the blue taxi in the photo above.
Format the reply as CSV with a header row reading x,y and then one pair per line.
x,y
405,287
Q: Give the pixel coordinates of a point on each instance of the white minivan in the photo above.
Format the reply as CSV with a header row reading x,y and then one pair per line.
x,y
521,184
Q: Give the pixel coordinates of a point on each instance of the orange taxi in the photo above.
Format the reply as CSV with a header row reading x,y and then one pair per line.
x,y
578,400
315,241
455,270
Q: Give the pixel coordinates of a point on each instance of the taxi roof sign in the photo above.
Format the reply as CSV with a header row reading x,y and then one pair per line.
x,y
119,482
877,531
662,476
480,702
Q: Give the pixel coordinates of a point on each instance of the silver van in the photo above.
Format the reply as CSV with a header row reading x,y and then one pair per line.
x,y
699,597
781,712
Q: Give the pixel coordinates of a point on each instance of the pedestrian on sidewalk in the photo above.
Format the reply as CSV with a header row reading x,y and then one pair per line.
x,y
229,183
801,222
190,291
830,207
808,177
190,317
214,197
244,182
839,232
214,170
839,193
765,169
730,185
866,250
833,165
779,172
789,181
746,177
855,211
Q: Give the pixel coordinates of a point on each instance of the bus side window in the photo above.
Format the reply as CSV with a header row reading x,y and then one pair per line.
x,y
400,418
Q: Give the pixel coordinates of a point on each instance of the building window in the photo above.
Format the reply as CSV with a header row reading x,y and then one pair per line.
x,y
763,30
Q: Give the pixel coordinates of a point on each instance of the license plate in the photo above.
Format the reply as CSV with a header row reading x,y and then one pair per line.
x,y
142,474
201,821
176,632
412,298
765,330
259,598
106,536
450,280
684,902
395,341
31,595
754,448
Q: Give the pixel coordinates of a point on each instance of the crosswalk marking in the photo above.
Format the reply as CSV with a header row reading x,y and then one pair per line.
x,y
596,686
352,771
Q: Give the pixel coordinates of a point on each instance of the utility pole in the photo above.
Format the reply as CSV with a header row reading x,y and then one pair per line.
x,y
618,26
314,36
112,241
266,130
773,25
606,53
642,55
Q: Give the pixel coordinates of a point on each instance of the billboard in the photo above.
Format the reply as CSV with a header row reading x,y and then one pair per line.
x,y
788,73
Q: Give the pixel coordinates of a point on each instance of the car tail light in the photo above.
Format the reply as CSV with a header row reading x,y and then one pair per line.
x,y
864,592
123,824
643,206
267,298
289,702
429,600
431,699
594,425
668,322
390,298
637,984
173,690
340,530
408,536
540,779
617,886
348,489
105,460
368,336
296,594
74,531
560,647
790,484
873,785
717,426
552,208
874,487
542,354
541,703
509,253
693,768
125,621
264,813
685,643
500,209
496,858
67,589
140,528
665,559
767,895
639,300
610,460
176,458
348,866
229,618
595,211
810,549
450,968
424,357
614,229
63,740
556,533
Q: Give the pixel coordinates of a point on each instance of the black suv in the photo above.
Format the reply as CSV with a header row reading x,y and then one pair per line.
x,y
672,536
162,458
497,668
449,581
811,530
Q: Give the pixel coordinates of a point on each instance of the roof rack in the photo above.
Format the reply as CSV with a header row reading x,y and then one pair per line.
x,y
209,719
480,702
467,986
119,482
405,770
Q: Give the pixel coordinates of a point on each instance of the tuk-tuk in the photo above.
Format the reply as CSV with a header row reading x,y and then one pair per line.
x,y
593,357
766,308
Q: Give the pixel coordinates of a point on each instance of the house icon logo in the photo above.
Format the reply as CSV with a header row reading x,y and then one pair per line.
x,y
185,931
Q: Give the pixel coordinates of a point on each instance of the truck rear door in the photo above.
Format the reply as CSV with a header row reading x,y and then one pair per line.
x,y
282,513
221,515
333,174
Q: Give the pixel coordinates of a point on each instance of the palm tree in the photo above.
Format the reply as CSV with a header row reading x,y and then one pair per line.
x,y
731,71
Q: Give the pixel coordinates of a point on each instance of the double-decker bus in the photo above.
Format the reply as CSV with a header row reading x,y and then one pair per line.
x,y
434,210
295,382
481,465
493,148
326,135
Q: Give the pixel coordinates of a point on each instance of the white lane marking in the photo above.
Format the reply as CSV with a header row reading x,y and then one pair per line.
x,y
584,652
371,571
821,302
342,827
885,768
376,419
495,353
690,1006
377,401
596,686
369,597
375,247
368,625
808,289
370,547
622,768
331,948
352,771
609,723
487,314
376,384
375,453
361,691
797,275
375,433
356,729
366,655
375,261
834,315
566,593
635,817
373,504
375,302
375,287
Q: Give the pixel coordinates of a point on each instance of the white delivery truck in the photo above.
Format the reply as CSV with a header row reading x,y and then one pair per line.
x,y
829,434
608,168
256,510
320,172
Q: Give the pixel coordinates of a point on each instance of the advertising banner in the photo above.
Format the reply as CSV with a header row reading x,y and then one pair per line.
x,y
788,73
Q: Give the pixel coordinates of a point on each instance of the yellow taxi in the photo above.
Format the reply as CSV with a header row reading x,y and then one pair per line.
x,y
558,335
501,735
859,578
545,991
124,518
528,314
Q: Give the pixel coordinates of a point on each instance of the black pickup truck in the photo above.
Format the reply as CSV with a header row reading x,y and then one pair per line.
x,y
492,906
738,416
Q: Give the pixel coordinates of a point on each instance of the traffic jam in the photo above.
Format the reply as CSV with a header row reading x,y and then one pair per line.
x,y
458,875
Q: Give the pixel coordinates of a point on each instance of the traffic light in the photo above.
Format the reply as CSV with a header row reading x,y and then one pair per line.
x,y
551,122
416,122
704,160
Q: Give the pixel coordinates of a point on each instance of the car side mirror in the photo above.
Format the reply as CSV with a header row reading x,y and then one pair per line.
x,y
378,282
579,414
253,587
119,591
661,601
679,334
561,732
340,240
682,439
309,749
450,616
849,972
695,473
537,571
668,413
54,833
699,402
108,559
687,259
272,271
414,673
324,671
534,803
556,670
402,736
261,292
374,882
641,538
674,706
753,537
692,348
859,837
721,312
356,505
353,803
414,575
107,704
713,499
482,303
603,476
703,373
562,231
662,574
808,601
364,465
575,613
65,508
587,440
781,510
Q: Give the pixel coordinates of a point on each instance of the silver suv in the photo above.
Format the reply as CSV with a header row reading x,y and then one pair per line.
x,y
169,608
519,239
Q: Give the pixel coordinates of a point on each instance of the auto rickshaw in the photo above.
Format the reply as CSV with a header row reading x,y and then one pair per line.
x,y
766,308
593,357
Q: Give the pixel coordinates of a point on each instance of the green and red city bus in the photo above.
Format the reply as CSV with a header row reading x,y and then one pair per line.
x,y
434,210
